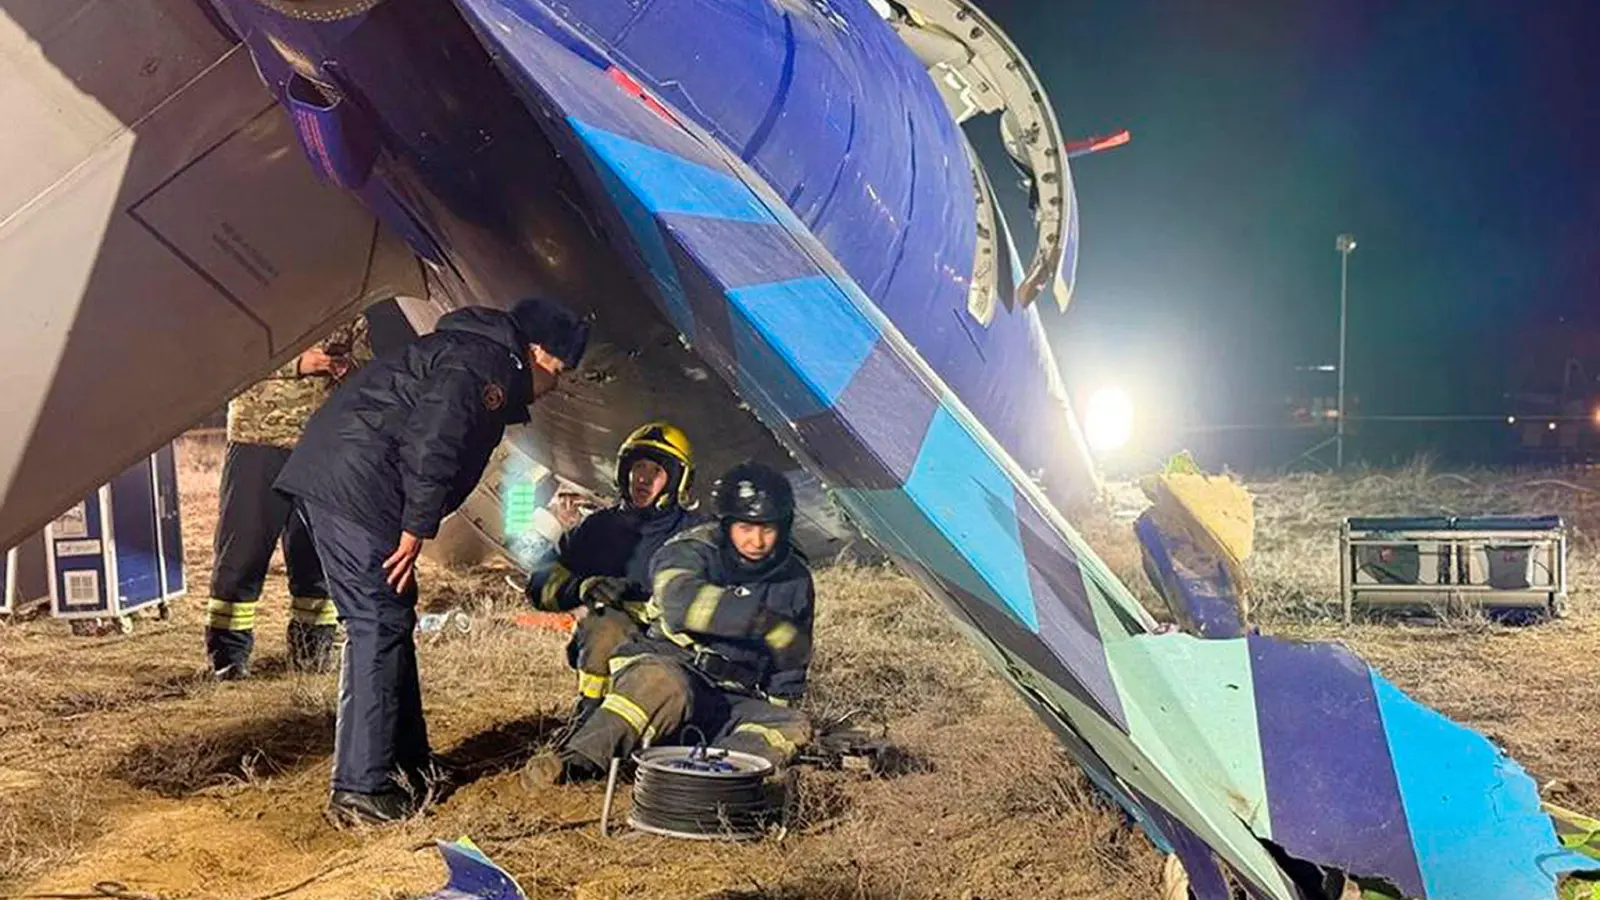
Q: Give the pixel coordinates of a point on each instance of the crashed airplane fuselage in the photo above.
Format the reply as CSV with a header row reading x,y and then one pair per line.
x,y
790,248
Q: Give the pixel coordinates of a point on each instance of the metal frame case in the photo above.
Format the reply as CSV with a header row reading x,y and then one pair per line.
x,y
8,580
1457,563
120,549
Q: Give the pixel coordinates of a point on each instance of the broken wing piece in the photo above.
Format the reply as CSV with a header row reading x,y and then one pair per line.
x,y
1203,600
473,876
1194,540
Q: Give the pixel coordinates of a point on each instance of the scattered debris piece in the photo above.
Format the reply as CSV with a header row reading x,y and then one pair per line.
x,y
473,876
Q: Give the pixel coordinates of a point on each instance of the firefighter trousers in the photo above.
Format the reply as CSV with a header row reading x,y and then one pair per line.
x,y
594,642
380,736
656,699
252,518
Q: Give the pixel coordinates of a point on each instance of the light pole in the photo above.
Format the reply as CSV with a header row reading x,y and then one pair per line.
x,y
1344,244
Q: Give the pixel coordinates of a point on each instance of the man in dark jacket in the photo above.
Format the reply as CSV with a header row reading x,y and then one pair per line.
x,y
391,454
728,649
601,568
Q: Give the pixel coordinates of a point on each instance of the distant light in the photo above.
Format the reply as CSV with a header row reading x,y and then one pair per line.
x,y
1552,426
1108,421
1511,420
1596,415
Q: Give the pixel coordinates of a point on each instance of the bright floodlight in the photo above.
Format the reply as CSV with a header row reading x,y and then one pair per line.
x,y
1108,422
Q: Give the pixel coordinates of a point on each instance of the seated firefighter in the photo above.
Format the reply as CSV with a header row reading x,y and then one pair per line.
x,y
602,566
727,652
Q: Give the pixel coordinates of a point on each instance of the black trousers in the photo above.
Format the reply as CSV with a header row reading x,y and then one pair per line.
x,y
251,520
380,740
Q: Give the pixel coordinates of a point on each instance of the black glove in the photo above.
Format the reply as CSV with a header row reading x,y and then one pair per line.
x,y
603,590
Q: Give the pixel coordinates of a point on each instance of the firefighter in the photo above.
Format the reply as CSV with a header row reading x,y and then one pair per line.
x,y
378,467
602,567
264,423
728,647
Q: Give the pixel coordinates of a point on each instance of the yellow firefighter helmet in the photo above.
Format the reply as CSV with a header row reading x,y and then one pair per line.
x,y
666,445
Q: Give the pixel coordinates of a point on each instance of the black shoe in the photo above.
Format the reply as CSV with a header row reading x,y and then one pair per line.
x,y
228,653
351,808
311,647
553,768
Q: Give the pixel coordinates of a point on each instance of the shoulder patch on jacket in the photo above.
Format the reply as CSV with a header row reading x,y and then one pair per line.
x,y
494,396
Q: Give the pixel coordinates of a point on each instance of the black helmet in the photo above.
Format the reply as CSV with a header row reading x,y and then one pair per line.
x,y
752,492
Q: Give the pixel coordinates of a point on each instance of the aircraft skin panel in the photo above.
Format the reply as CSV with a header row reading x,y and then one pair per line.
x,y
1169,679
959,525
842,120
1356,785
174,248
131,57
1475,815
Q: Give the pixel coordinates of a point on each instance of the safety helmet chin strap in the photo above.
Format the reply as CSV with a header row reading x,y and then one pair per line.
x,y
668,496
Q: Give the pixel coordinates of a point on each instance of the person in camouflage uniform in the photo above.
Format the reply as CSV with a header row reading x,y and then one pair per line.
x,y
264,423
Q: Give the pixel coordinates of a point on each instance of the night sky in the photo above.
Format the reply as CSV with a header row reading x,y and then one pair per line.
x,y
1456,141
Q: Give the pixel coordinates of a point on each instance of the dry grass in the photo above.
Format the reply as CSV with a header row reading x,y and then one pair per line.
x,y
119,760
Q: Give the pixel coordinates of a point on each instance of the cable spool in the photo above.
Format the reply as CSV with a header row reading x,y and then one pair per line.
x,y
701,793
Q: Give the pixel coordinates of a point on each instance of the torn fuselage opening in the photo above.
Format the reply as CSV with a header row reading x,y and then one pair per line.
x,y
979,71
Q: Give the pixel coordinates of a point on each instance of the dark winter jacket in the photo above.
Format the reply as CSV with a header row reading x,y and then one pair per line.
x,y
737,625
618,542
405,440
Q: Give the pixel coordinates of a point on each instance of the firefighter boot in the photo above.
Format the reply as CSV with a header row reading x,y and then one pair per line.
x,y
346,808
228,653
310,647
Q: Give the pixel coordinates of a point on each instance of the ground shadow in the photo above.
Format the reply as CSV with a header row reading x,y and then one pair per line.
x,y
182,766
143,692
503,748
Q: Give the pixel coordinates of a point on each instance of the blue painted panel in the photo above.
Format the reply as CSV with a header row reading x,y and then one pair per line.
x,y
1325,752
1194,583
743,43
747,253
1475,814
814,326
670,184
135,538
80,577
611,20
950,465
806,154
652,247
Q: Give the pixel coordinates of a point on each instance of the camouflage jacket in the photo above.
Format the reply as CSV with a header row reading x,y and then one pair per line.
x,y
275,409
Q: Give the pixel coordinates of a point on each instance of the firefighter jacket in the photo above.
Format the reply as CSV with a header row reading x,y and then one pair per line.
x,y
406,439
618,542
274,410
744,627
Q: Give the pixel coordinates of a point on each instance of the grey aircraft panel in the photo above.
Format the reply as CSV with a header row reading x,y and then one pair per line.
x,y
163,244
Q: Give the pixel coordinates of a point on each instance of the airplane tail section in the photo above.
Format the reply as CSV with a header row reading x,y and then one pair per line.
x,y
1213,745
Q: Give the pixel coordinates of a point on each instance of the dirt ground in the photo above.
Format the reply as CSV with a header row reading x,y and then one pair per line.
x,y
120,761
